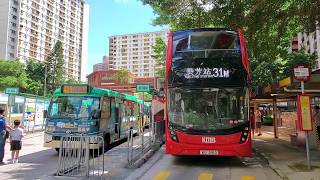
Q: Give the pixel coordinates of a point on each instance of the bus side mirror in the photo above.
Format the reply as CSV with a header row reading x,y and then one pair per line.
x,y
45,114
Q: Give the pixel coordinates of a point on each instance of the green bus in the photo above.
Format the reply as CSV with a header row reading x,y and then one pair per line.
x,y
82,109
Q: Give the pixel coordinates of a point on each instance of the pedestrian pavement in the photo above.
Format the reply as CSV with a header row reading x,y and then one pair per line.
x,y
288,160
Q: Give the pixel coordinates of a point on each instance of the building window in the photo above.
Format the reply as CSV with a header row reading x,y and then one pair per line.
x,y
11,55
14,9
13,24
15,2
12,39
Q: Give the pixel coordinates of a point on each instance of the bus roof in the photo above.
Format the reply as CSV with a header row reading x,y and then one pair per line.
x,y
99,92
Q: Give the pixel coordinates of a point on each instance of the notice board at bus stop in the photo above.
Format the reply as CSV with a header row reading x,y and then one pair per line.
x,y
304,113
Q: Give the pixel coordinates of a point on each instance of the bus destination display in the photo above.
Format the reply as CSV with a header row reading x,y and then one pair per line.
x,y
77,89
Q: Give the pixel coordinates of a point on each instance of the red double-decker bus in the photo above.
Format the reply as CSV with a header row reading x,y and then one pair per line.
x,y
207,93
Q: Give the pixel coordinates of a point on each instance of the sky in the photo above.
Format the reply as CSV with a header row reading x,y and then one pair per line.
x,y
115,17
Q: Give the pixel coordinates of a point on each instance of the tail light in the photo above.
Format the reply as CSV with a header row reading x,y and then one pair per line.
x,y
172,133
244,135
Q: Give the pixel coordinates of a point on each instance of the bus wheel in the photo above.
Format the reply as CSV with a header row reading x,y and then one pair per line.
x,y
57,149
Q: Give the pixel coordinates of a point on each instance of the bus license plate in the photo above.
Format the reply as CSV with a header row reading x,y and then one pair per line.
x,y
209,152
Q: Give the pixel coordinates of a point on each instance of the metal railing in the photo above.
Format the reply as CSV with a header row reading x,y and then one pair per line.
x,y
81,156
140,145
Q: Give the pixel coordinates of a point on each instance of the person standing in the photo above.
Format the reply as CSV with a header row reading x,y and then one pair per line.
x,y
15,141
3,127
257,115
316,118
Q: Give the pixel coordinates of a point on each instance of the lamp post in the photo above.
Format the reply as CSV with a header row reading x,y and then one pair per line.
x,y
45,80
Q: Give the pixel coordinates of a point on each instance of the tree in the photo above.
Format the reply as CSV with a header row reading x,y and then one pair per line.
x,y
268,25
146,96
72,81
35,72
159,50
55,68
122,76
12,74
299,57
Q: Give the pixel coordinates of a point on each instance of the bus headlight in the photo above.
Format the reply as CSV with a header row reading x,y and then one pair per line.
x,y
93,140
47,138
51,129
244,135
173,134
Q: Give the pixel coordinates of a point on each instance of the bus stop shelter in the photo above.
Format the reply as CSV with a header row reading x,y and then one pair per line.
x,y
287,90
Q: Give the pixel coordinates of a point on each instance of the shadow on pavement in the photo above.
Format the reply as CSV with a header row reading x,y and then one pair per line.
x,y
31,166
209,161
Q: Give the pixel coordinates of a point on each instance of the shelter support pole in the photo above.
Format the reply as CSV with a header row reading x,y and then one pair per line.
x,y
275,120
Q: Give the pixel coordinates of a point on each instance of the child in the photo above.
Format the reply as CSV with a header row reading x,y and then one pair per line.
x,y
15,141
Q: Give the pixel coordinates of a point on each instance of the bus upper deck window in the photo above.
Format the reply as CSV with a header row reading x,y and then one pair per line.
x,y
182,44
224,41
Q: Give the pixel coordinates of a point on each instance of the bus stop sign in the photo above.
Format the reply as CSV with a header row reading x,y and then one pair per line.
x,y
142,88
12,91
301,72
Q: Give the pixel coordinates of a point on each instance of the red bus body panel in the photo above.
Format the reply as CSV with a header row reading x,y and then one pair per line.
x,y
226,145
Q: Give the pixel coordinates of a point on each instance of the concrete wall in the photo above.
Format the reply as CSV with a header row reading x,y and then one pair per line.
x,y
85,35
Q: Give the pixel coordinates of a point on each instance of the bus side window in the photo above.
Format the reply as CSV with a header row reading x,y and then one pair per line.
x,y
113,114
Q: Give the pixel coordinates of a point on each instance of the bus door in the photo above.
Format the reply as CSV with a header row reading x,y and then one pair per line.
x,y
124,119
112,123
115,119
105,115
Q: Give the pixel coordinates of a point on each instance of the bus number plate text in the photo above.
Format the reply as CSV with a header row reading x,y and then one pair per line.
x,y
208,140
209,152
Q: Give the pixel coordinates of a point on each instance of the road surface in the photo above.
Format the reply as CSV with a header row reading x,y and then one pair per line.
x,y
168,167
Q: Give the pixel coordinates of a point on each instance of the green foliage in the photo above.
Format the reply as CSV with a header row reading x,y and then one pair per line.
x,y
147,96
35,71
122,76
55,68
34,87
268,25
72,81
159,50
12,74
299,57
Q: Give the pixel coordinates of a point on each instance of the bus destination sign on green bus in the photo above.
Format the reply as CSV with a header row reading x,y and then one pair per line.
x,y
12,90
142,88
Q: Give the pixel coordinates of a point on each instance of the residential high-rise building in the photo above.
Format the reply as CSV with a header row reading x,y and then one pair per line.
x,y
134,52
310,42
30,29
104,66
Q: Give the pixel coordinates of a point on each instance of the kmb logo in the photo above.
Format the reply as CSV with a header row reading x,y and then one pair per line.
x,y
208,140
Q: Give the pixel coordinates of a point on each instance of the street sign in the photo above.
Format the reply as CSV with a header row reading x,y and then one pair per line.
x,y
142,88
12,91
301,72
304,113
